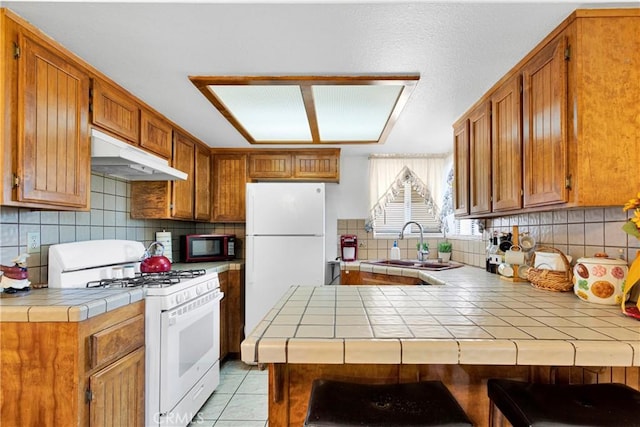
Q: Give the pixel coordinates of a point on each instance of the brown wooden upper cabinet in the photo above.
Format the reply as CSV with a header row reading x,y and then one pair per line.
x,y
202,210
461,170
229,183
270,165
45,166
182,195
506,146
544,111
480,159
155,133
114,110
579,103
323,166
176,199
300,165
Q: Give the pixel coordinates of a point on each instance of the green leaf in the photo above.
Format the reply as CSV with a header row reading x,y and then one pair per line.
x,y
583,284
630,228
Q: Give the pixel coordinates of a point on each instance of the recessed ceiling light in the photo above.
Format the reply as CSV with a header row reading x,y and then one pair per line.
x,y
309,109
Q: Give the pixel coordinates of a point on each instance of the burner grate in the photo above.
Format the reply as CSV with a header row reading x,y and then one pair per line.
x,y
155,280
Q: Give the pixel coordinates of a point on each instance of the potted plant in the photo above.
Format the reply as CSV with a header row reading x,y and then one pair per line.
x,y
444,251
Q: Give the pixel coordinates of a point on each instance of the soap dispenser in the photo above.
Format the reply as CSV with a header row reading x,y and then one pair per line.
x,y
395,251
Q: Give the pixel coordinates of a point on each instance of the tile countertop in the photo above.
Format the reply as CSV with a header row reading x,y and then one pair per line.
x,y
78,304
473,318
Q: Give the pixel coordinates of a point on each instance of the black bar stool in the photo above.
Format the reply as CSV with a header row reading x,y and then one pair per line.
x,y
530,404
428,403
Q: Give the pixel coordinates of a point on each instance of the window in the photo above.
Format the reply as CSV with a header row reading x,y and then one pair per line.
x,y
457,227
405,189
462,227
406,205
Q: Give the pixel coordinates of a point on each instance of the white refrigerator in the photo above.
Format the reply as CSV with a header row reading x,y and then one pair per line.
x,y
285,243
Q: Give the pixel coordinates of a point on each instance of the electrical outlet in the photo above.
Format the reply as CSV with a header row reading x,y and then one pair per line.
x,y
33,243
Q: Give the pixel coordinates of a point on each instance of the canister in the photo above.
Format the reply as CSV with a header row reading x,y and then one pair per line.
x,y
600,279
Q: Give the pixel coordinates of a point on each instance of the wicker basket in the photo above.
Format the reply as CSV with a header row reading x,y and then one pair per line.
x,y
550,280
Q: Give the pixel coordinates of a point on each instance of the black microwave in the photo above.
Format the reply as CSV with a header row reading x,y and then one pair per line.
x,y
207,247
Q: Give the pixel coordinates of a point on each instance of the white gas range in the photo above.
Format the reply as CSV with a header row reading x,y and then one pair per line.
x,y
182,321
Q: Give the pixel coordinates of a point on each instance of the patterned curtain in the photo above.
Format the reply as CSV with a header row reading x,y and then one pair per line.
x,y
388,174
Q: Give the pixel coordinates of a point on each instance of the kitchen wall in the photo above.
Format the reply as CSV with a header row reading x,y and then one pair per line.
x,y
576,232
109,218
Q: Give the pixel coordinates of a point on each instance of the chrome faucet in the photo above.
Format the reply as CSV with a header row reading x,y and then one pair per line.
x,y
422,253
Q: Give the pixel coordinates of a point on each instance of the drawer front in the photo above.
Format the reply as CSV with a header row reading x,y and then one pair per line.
x,y
116,341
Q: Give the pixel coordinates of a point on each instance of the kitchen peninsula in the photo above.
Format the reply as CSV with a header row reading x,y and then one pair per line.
x,y
470,327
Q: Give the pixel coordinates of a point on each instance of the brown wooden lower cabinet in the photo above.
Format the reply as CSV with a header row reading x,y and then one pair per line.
x,y
290,384
88,373
354,277
350,277
231,312
236,310
109,407
223,278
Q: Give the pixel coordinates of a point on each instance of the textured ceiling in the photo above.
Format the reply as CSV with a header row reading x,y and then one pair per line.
x,y
460,50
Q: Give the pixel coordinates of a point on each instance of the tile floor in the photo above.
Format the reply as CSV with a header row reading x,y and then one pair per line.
x,y
239,401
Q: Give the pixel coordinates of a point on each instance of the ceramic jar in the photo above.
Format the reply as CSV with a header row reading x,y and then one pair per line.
x,y
599,279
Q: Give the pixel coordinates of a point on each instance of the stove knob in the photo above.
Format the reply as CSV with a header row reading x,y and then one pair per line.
x,y
179,298
210,285
198,290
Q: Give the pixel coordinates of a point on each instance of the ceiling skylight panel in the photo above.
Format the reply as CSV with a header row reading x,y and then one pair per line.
x,y
267,112
354,112
309,109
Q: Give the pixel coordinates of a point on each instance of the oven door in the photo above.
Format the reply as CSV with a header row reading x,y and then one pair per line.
x,y
189,346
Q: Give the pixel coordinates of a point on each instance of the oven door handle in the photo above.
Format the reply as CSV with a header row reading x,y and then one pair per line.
x,y
185,311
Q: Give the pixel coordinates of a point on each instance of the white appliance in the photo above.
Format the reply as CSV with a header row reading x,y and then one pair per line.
x,y
182,321
113,157
285,243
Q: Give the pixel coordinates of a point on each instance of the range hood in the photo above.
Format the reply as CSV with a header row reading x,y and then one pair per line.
x,y
116,158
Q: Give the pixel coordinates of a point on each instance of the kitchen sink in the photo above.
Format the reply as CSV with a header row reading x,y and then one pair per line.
x,y
421,265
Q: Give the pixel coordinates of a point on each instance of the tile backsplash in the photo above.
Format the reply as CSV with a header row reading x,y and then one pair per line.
x,y
576,232
109,218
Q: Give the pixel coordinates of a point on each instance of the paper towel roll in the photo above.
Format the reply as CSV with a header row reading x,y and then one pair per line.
x,y
164,237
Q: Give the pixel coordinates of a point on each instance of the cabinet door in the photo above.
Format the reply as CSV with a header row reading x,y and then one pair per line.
x,y
325,167
155,134
544,113
202,209
461,168
53,141
506,146
115,111
182,193
270,166
223,278
350,277
118,392
236,309
230,179
480,159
